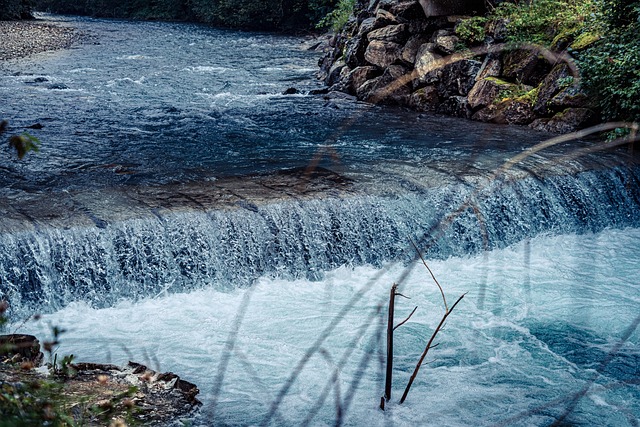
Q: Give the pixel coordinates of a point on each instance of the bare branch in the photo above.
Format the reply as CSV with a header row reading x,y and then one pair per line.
x,y
400,295
405,320
446,308
426,350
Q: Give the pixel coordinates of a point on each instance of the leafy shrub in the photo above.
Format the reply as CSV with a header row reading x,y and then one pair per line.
x,y
611,66
472,30
337,18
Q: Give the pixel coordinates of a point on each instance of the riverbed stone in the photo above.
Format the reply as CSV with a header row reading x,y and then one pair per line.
x,y
382,53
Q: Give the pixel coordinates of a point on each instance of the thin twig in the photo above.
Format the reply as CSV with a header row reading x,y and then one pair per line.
x,y
426,350
405,320
446,308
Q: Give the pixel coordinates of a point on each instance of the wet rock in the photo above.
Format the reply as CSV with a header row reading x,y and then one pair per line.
x,y
390,88
291,91
36,126
570,120
382,53
456,106
368,25
525,66
408,10
333,76
20,348
57,86
40,80
391,33
424,99
384,18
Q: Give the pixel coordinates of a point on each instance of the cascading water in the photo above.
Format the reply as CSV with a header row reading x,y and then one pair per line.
x,y
168,220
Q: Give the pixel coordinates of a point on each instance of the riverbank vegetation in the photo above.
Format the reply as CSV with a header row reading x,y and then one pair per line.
x,y
601,35
282,15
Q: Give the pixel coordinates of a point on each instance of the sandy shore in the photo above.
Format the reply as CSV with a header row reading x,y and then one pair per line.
x,y
23,38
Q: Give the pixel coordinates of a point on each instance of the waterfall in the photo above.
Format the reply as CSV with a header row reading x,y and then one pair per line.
x,y
46,268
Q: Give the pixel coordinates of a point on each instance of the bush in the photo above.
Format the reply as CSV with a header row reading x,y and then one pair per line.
x,y
611,66
337,18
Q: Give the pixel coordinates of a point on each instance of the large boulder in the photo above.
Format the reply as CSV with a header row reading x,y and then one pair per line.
x,y
424,99
457,106
354,51
452,7
485,91
511,111
359,76
390,88
525,66
457,78
20,348
428,64
390,33
382,53
570,120
409,10
445,41
410,50
552,84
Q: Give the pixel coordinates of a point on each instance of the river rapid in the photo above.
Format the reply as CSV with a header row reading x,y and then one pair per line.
x,y
184,213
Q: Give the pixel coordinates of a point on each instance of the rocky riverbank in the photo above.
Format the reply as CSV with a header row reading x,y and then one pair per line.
x,y
24,38
405,52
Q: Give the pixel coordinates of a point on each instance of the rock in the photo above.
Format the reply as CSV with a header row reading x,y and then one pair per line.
x,y
550,86
570,96
40,80
391,33
445,41
452,7
525,66
424,99
384,18
354,52
388,88
382,53
291,91
323,91
491,67
410,50
367,25
57,86
485,91
457,78
497,30
507,112
20,348
409,10
457,106
36,126
570,120
427,65
333,76
359,76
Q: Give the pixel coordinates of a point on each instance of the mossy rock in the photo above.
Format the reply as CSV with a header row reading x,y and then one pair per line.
x,y
584,40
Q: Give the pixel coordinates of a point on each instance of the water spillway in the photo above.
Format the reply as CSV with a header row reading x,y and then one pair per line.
x,y
186,214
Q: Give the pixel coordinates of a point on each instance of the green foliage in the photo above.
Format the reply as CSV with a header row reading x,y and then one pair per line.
x,y
472,30
611,66
15,9
540,21
24,143
250,14
337,18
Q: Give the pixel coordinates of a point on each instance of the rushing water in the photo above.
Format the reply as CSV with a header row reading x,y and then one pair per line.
x,y
112,232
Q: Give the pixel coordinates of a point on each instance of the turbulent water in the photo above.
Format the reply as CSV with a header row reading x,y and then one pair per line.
x,y
99,232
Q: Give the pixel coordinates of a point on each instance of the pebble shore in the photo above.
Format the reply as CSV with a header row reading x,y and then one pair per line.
x,y
23,38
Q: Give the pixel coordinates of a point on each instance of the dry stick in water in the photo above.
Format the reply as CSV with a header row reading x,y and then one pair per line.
x,y
426,350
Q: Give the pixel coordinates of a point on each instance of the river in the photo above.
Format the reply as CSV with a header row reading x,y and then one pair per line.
x,y
186,214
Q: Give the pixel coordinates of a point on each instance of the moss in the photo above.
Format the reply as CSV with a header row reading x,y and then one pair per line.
x,y
531,97
499,82
584,40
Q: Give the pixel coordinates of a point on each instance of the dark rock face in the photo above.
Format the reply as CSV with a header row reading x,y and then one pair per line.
x,y
570,120
405,52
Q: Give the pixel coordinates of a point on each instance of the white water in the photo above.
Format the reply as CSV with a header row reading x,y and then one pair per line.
x,y
538,320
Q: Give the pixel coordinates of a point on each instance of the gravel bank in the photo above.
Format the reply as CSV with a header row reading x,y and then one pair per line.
x,y
23,38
